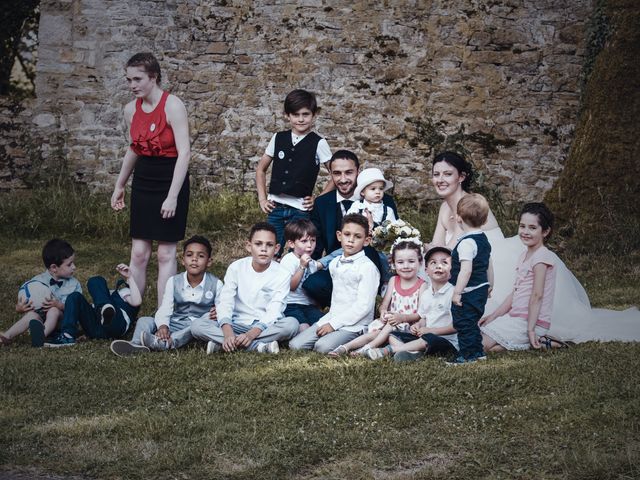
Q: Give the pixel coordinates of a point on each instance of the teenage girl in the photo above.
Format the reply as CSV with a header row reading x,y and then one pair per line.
x,y
399,308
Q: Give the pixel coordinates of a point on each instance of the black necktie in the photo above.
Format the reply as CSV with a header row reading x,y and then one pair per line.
x,y
53,282
347,204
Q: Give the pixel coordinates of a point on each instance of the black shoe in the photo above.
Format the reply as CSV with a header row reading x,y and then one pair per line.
x,y
106,314
36,330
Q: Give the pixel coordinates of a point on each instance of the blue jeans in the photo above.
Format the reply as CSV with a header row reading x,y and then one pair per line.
x,y
465,321
279,217
77,310
308,314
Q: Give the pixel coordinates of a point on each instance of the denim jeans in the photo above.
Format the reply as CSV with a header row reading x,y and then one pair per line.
x,y
279,217
308,314
465,321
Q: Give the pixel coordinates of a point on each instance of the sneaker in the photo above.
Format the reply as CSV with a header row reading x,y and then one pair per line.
x,y
378,353
36,330
106,314
408,356
460,360
271,347
122,348
213,347
152,342
61,340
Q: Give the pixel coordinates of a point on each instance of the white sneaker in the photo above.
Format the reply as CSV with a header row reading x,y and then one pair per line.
x,y
271,347
213,347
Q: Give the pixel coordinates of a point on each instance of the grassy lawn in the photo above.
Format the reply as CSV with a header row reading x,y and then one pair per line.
x,y
566,414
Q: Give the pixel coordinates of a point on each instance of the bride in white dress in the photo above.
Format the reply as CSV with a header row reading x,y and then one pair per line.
x,y
572,319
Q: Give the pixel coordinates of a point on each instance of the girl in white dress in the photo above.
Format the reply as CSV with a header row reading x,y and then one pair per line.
x,y
572,318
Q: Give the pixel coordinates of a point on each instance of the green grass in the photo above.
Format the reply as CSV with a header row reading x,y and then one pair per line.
x,y
82,411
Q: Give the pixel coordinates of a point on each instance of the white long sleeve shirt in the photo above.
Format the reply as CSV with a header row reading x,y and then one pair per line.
x,y
355,286
253,298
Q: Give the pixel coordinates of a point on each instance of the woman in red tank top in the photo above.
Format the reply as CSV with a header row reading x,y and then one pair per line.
x,y
158,157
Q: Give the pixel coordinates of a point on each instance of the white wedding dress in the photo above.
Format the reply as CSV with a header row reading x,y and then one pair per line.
x,y
572,319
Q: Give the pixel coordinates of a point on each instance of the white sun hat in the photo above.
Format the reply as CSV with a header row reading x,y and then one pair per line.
x,y
367,176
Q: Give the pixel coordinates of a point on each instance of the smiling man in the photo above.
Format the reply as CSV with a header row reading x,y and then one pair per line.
x,y
327,214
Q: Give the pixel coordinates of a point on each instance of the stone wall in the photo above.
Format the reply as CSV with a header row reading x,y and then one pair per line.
x,y
396,80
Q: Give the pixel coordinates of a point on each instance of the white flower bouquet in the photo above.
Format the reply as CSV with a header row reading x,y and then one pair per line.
x,y
393,231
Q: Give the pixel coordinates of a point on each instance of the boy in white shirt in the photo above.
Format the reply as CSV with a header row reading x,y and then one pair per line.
x,y
252,301
301,238
355,285
434,333
187,296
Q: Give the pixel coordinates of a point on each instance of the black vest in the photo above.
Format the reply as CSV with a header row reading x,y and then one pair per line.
x,y
295,170
480,262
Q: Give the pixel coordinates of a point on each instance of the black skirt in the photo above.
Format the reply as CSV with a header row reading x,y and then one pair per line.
x,y
151,182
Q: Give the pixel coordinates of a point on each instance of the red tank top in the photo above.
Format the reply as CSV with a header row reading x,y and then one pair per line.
x,y
150,134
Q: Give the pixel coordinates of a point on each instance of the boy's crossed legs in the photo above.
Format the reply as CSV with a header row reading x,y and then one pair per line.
x,y
310,340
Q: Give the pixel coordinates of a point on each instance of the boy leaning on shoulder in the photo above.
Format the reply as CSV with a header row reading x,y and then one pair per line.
x,y
252,302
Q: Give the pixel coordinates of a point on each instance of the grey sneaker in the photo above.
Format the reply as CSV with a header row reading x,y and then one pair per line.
x,y
152,342
271,347
408,356
213,347
122,348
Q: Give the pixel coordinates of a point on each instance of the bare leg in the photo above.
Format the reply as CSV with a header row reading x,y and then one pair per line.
x,y
167,265
418,345
140,254
489,344
21,325
51,320
360,341
382,337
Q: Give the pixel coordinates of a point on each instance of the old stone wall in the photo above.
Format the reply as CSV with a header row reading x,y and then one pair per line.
x,y
396,80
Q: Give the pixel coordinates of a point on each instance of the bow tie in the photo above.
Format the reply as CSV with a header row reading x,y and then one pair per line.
x,y
53,282
345,260
346,204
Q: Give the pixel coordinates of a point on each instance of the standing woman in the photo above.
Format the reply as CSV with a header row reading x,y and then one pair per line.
x,y
158,156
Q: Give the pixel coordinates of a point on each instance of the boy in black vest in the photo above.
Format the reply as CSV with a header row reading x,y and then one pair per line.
x,y
187,297
471,276
296,155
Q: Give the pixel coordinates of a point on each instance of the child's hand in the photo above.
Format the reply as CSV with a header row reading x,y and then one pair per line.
x,y
394,318
164,334
490,291
307,202
123,270
457,299
213,313
487,319
229,344
24,306
422,331
367,214
244,339
319,266
267,205
324,330
305,259
52,302
533,339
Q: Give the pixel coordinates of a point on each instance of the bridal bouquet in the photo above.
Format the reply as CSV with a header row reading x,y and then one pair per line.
x,y
392,231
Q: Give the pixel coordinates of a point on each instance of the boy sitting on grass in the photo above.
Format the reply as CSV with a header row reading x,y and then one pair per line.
x,y
252,301
59,260
434,333
355,284
110,316
188,297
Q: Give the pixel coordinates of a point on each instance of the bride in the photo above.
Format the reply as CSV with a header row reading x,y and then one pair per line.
x,y
572,319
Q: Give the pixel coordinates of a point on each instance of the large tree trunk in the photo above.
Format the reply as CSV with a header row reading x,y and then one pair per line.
x,y
597,196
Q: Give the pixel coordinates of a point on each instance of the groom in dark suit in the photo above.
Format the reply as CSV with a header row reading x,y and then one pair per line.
x,y
327,214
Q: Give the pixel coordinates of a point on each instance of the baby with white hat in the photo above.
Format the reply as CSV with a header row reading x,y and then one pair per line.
x,y
371,187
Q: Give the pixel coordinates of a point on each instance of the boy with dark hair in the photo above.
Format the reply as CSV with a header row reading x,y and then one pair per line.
x,y
301,239
296,155
471,276
251,305
59,260
355,281
188,297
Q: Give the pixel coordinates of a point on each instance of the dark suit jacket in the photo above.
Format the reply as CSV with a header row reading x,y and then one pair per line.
x,y
325,219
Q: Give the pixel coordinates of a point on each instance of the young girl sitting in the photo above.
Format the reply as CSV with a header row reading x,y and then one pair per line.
x,y
523,319
399,308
